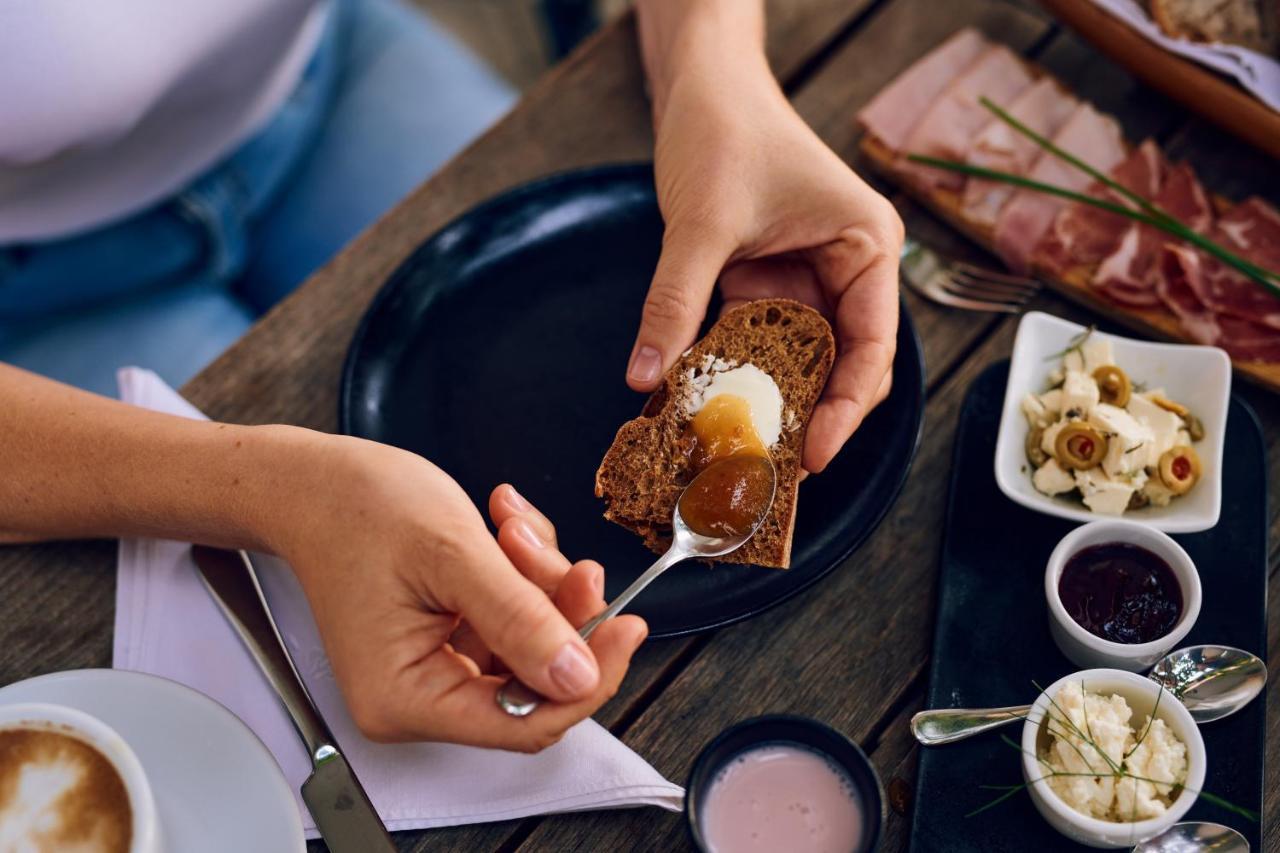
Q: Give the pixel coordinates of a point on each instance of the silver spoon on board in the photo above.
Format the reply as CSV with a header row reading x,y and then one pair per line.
x,y
1195,838
518,700
1211,681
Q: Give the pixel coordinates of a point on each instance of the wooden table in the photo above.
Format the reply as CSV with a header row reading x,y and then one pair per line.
x,y
852,651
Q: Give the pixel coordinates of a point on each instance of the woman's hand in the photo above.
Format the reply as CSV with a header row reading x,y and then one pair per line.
x,y
422,611
752,197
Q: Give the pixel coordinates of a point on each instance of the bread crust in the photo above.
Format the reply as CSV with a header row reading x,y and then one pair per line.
x,y
647,466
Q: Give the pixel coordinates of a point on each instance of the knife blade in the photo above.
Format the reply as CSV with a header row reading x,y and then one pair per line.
x,y
346,819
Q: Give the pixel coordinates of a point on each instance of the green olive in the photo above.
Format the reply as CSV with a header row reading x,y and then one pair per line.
x,y
1079,446
1169,406
1179,469
1035,453
1194,427
1113,385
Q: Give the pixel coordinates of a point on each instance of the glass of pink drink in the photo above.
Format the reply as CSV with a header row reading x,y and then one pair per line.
x,y
783,783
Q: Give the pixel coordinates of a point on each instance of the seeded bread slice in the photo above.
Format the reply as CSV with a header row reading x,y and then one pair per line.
x,y
1249,23
647,467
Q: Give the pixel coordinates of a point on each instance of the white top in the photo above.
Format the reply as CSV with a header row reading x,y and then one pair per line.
x,y
106,108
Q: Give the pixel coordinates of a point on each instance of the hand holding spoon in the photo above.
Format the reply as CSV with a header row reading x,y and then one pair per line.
x,y
717,513
1211,681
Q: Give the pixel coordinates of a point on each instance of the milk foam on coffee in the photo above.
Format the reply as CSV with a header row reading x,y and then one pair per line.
x,y
59,793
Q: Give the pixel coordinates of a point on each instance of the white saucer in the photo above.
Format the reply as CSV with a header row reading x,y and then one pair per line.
x,y
217,788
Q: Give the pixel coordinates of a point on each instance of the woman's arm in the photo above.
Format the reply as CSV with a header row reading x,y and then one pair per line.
x,y
79,465
415,599
714,39
753,199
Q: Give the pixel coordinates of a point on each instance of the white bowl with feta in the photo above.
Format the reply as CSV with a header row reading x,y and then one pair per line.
x,y
1110,759
1059,387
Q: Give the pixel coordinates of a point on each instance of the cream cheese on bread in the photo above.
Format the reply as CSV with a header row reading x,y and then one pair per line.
x,y
751,384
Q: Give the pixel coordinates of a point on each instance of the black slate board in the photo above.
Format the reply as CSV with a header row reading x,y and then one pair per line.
x,y
497,351
992,636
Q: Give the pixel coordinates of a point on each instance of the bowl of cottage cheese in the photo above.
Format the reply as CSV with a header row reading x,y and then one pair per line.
x,y
1110,758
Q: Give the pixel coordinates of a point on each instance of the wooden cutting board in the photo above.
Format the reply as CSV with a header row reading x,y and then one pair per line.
x,y
1201,90
1074,284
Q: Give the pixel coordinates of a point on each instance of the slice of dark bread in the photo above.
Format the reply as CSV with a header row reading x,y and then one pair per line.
x,y
647,467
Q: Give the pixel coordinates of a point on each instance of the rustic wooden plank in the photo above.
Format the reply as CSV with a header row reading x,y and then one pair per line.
x,y
895,758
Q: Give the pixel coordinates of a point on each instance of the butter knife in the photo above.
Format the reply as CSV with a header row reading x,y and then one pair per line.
x,y
342,811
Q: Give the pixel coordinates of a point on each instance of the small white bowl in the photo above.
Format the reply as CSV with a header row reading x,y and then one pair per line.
x,y
1196,376
69,721
1087,650
1141,695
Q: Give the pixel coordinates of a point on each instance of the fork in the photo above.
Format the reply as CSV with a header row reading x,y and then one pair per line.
x,y
962,285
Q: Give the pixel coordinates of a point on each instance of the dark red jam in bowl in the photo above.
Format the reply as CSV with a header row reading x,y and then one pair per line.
x,y
1121,592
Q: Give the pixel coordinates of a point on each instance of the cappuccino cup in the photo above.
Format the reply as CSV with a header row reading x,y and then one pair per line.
x,y
68,781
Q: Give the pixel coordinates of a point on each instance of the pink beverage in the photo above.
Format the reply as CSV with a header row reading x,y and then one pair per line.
x,y
778,797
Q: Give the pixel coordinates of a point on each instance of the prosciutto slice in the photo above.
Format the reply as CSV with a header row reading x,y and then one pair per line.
x,y
1043,107
1129,274
894,111
1083,235
1182,271
1023,222
951,121
1228,292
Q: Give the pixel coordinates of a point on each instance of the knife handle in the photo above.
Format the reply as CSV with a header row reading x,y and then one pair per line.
x,y
234,584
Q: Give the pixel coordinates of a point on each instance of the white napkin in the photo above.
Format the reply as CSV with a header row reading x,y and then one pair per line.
x,y
1258,73
167,625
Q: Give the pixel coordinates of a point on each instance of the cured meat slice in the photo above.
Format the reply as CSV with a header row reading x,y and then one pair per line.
x,y
1043,107
1252,228
951,121
1083,235
1181,280
1022,223
1129,274
894,111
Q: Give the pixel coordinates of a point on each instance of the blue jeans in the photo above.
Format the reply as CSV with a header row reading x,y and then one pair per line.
x,y
387,98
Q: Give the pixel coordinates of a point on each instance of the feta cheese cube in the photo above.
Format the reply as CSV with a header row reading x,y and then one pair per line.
x,y
1079,393
1102,494
1097,353
1034,410
1093,353
1052,401
1164,425
1129,443
1157,492
1050,436
1052,480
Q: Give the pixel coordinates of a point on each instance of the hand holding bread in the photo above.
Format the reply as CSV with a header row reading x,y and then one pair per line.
x,y
753,198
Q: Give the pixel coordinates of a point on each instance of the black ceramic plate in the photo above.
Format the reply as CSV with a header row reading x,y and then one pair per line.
x,y
992,637
497,350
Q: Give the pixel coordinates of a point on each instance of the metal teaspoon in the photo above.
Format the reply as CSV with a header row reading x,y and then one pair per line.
x,y
1211,681
519,700
1195,838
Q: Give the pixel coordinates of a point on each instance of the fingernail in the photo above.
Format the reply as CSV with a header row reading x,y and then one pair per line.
x,y
597,580
573,671
526,532
646,364
516,501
